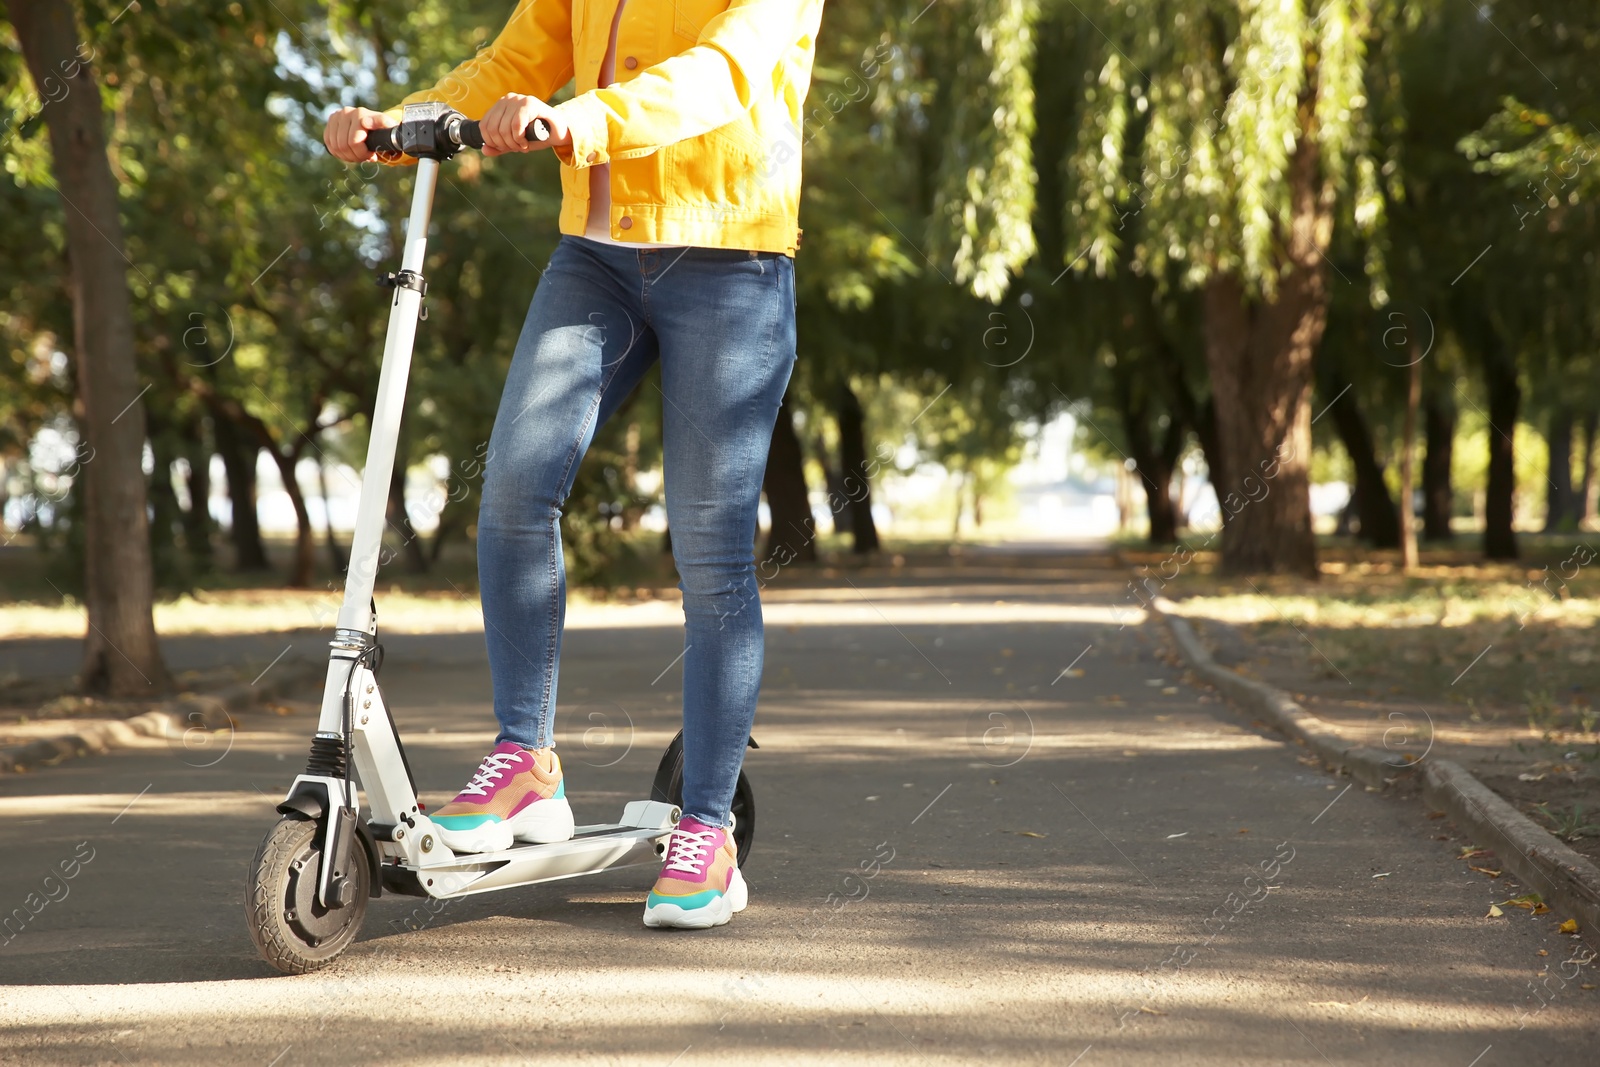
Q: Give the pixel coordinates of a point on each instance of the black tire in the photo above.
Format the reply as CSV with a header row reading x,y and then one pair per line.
x,y
668,789
290,929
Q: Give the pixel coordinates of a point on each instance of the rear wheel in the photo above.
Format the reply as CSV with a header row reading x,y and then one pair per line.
x,y
668,789
291,929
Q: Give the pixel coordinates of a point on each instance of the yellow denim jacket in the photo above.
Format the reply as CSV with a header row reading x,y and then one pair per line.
x,y
701,127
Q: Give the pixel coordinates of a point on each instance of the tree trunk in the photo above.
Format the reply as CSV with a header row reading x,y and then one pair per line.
x,y
1560,507
121,655
1505,400
197,519
1587,489
955,521
1408,469
1374,507
305,544
164,509
792,535
1152,462
1438,503
335,552
857,481
833,484
400,519
239,452
1260,356
1205,431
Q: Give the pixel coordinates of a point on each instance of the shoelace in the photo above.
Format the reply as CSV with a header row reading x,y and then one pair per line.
x,y
493,767
687,851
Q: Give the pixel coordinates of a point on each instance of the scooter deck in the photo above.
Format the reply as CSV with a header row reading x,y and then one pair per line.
x,y
591,849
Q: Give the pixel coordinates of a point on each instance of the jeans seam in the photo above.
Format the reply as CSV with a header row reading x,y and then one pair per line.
x,y
552,654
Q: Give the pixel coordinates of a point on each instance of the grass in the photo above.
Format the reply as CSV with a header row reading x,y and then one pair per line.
x,y
1568,825
1457,629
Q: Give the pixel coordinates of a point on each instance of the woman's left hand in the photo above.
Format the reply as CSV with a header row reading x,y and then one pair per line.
x,y
505,125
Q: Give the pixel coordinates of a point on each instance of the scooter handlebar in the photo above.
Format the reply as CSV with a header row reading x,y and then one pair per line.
x,y
467,135
383,140
463,132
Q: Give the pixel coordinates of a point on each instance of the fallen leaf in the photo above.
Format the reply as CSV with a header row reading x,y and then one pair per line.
x,y
1494,912
1130,752
1074,672
1532,901
1150,1011
1569,927
1587,985
1544,952
1024,833
1485,870
1170,691
1530,777
1436,814
1244,829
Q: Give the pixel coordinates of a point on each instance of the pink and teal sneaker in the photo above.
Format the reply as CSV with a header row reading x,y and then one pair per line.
x,y
700,884
517,794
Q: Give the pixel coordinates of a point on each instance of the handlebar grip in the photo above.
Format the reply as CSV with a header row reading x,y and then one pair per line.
x,y
472,137
383,140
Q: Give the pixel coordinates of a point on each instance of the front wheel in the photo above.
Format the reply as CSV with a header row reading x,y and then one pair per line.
x,y
668,788
291,929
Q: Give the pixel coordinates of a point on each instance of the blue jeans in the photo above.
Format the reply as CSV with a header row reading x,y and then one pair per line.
x,y
722,324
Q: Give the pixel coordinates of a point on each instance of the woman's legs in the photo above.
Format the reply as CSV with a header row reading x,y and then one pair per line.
x,y
583,347
725,324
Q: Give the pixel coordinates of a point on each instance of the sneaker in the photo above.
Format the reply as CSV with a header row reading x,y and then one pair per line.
x,y
514,796
700,884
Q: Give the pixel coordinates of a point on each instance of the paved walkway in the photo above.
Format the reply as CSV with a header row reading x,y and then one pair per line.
x,y
1096,866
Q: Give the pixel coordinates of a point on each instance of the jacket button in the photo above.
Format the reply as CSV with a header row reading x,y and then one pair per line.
x,y
626,223
630,63
591,157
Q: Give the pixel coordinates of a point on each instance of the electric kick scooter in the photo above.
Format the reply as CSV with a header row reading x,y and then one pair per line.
x,y
315,870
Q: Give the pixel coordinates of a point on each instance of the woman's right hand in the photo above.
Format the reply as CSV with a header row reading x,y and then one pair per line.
x,y
346,132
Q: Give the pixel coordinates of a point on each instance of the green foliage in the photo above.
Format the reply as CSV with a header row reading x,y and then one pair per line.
x,y
1189,131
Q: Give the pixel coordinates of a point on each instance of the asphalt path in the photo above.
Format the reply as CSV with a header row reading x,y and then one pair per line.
x,y
995,824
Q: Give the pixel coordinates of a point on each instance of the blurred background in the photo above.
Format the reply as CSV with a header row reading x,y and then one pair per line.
x,y
1293,298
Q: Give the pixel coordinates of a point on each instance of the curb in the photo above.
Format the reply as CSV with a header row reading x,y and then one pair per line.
x,y
1567,881
173,721
1372,767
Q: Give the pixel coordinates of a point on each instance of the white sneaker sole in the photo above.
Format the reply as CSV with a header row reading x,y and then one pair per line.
x,y
540,823
717,913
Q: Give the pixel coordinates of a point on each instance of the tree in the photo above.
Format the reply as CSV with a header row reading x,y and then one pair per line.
x,y
1236,136
121,654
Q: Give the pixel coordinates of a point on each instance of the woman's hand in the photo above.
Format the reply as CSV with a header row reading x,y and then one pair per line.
x,y
505,125
346,133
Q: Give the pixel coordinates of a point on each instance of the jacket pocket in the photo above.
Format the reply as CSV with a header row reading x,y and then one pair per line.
x,y
691,16
726,166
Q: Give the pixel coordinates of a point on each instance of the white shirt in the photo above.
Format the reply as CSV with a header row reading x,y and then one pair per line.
x,y
598,228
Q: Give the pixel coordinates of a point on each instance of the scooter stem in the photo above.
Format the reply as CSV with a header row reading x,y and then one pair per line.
x,y
367,543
